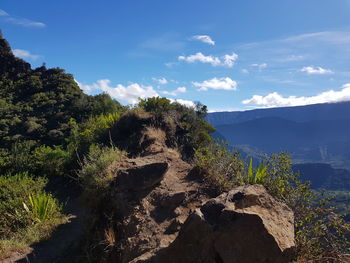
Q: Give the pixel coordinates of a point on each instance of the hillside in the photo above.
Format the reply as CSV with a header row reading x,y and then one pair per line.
x,y
42,104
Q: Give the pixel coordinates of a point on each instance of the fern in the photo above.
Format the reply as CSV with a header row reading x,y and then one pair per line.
x,y
260,173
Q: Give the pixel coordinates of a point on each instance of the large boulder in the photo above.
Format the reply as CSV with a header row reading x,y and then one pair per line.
x,y
245,225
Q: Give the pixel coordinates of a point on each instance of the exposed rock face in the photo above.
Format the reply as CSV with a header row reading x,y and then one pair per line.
x,y
142,177
242,226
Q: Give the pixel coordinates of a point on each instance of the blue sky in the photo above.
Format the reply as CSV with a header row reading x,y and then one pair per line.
x,y
227,54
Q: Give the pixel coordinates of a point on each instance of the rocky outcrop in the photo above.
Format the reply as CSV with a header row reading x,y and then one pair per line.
x,y
245,225
143,177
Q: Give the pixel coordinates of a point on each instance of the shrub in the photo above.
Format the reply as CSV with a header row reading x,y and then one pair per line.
x,y
14,190
50,161
94,130
156,105
222,168
94,173
27,213
193,131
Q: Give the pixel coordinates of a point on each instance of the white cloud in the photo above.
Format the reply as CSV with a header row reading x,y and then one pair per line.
x,y
174,92
216,84
245,71
186,103
181,89
214,61
160,81
316,70
229,60
276,100
129,94
259,66
205,39
24,54
226,60
20,21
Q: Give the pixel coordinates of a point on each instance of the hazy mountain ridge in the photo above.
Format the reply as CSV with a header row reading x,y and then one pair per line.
x,y
326,111
314,133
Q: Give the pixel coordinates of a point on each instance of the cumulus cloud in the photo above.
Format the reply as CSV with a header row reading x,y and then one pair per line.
x,y
174,92
276,100
216,84
20,21
227,60
160,81
205,39
24,54
186,103
129,94
316,70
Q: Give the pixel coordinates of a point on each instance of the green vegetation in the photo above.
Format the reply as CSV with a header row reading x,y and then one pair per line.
x,y
46,124
41,206
319,231
49,128
95,173
195,131
260,173
27,213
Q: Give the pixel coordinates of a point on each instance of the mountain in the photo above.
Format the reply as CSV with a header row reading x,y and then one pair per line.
x,y
314,133
325,111
324,176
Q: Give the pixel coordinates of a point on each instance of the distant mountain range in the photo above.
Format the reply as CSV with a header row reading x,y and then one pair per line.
x,y
326,111
317,133
324,176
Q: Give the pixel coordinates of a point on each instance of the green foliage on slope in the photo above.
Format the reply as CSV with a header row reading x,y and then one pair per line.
x,y
39,104
39,110
27,213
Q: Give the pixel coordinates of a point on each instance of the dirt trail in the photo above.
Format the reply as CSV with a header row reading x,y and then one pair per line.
x,y
156,215
154,221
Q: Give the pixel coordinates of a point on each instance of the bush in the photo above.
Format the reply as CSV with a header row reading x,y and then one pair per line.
x,y
319,231
27,213
14,190
50,161
95,173
222,168
95,130
194,131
